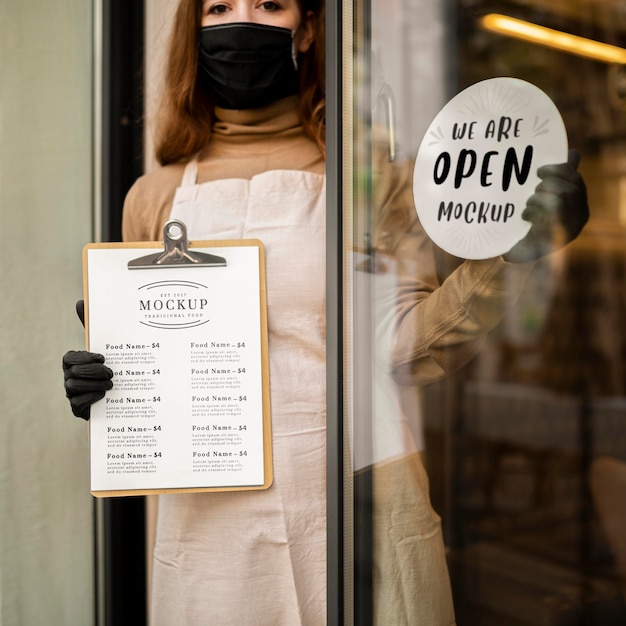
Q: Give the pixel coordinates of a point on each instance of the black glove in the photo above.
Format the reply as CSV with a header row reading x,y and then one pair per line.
x,y
558,210
86,380
86,376
80,311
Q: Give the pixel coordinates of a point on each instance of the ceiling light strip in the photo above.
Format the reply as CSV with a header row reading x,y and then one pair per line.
x,y
573,44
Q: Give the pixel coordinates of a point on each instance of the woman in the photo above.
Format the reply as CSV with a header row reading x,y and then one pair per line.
x,y
241,144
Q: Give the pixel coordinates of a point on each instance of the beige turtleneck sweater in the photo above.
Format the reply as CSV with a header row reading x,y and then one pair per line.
x,y
439,327
242,145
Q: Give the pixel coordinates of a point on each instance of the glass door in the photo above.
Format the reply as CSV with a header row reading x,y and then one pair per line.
x,y
485,408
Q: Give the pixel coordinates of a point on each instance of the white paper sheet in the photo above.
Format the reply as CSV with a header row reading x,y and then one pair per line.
x,y
185,344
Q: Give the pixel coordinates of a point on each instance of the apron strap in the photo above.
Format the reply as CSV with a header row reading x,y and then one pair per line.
x,y
190,175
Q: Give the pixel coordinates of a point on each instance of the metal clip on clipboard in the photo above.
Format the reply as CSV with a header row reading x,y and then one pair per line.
x,y
177,252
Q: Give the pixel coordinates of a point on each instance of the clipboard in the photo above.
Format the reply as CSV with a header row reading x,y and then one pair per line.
x,y
184,329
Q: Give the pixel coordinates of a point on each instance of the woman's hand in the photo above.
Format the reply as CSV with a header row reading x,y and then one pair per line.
x,y
87,379
557,210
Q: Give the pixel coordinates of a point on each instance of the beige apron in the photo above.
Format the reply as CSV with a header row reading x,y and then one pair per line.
x,y
256,558
259,558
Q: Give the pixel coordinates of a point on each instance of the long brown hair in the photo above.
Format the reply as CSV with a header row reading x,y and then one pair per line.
x,y
186,114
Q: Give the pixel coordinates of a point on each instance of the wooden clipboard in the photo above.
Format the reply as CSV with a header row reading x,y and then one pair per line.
x,y
184,328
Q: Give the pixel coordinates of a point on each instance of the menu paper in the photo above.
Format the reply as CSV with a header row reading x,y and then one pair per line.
x,y
189,408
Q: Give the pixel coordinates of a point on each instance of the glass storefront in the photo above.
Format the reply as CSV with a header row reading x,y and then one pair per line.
x,y
522,431
477,469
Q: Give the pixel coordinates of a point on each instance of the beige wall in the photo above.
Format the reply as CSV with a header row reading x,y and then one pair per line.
x,y
46,561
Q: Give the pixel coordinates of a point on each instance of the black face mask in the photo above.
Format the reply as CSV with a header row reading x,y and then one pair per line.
x,y
246,65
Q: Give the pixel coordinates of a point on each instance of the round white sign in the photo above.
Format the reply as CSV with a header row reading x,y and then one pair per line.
x,y
477,165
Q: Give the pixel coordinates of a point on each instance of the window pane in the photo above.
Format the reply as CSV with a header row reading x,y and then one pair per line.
x,y
498,387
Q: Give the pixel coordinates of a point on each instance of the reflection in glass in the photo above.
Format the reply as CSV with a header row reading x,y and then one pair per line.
x,y
523,436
